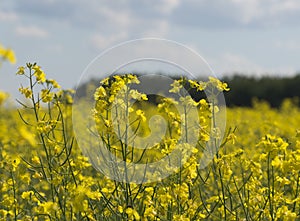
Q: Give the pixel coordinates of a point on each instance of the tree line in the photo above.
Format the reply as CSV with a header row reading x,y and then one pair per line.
x,y
271,89
243,89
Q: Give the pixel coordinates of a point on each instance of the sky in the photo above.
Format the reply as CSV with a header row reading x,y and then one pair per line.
x,y
252,37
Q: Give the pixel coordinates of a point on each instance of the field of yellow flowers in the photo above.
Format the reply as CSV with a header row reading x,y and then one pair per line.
x,y
254,175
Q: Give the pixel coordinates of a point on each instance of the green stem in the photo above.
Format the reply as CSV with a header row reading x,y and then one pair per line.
x,y
14,192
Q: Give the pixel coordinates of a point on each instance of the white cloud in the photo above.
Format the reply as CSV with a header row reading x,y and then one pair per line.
x,y
8,16
284,6
247,10
101,42
116,18
229,63
155,28
31,31
237,13
108,14
167,6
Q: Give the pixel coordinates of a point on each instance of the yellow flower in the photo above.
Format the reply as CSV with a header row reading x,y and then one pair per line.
x,y
26,178
216,83
46,126
105,81
134,94
277,162
35,159
26,92
48,207
182,191
8,54
286,214
180,218
188,101
21,70
100,93
105,190
46,95
282,180
132,214
4,213
150,213
53,83
193,84
95,195
201,86
141,115
27,194
176,86
3,97
120,209
204,136
231,137
132,79
144,97
69,99
39,74
15,163
108,123
203,105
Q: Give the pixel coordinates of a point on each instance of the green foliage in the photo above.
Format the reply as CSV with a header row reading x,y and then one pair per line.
x,y
271,89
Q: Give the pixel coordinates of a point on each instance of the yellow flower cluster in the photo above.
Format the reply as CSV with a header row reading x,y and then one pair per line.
x,y
7,54
44,176
3,97
212,83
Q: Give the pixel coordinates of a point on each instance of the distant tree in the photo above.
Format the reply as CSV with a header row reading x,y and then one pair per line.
x,y
243,89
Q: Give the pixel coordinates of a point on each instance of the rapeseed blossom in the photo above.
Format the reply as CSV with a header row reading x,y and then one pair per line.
x,y
39,74
3,97
7,54
253,176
